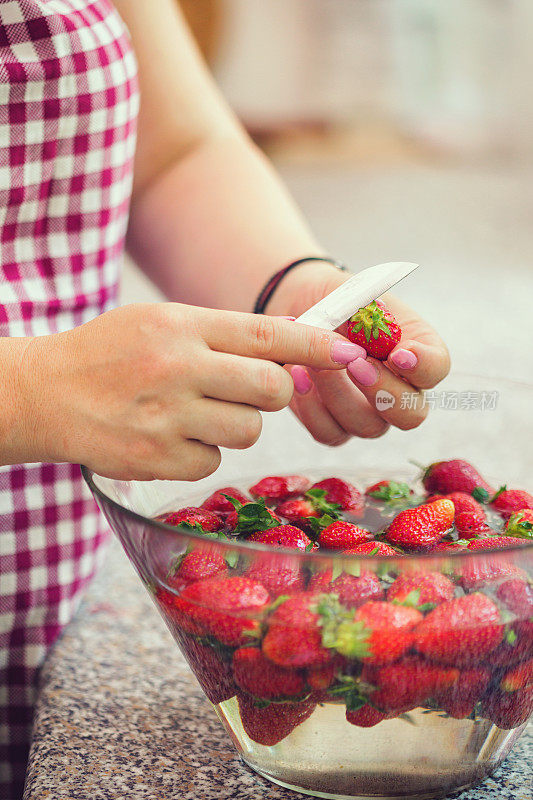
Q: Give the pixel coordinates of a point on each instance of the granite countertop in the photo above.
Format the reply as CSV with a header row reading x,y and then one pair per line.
x,y
120,714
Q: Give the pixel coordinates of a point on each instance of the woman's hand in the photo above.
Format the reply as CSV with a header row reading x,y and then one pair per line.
x,y
152,390
337,405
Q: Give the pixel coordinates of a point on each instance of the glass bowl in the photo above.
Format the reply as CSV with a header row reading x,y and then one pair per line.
x,y
316,697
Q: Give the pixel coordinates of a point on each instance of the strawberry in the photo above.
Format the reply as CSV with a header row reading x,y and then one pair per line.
x,y
321,678
294,635
212,672
257,675
344,494
283,536
352,590
518,597
389,491
517,646
423,587
278,576
227,608
479,572
372,549
366,717
461,501
297,510
219,503
269,725
378,633
460,631
407,684
251,517
520,524
518,677
423,526
192,516
449,547
508,501
509,709
280,487
456,475
202,562
175,617
494,543
341,535
374,328
460,699
471,523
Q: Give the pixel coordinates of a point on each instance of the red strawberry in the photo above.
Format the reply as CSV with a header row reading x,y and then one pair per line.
x,y
447,547
194,516
366,717
471,523
278,576
257,675
459,699
294,635
518,677
509,709
352,590
283,536
374,328
460,631
372,549
479,572
517,596
494,543
453,476
461,501
430,587
379,632
280,487
519,648
321,678
389,491
508,501
269,725
177,620
227,608
344,494
297,510
520,524
202,562
341,535
219,503
407,684
422,526
212,672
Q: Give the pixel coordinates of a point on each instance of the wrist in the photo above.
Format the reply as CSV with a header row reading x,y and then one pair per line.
x,y
17,441
302,287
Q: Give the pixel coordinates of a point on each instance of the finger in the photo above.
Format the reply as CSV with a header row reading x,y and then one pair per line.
x,y
348,406
252,381
223,424
423,365
311,412
275,339
395,400
192,461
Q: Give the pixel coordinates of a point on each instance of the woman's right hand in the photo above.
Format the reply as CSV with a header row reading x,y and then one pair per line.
x,y
153,390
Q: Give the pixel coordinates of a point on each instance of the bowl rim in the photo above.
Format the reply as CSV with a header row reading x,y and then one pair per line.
x,y
236,544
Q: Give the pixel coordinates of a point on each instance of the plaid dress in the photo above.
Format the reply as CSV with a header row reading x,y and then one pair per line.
x,y
68,109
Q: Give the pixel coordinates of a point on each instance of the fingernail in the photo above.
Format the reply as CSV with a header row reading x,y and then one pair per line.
x,y
344,352
301,379
363,371
404,359
290,319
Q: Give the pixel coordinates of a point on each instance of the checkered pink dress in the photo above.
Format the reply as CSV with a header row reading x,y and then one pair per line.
x,y
68,108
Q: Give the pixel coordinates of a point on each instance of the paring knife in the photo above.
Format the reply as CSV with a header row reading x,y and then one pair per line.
x,y
359,290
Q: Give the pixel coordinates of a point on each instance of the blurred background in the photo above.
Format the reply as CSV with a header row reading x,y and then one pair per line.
x,y
404,128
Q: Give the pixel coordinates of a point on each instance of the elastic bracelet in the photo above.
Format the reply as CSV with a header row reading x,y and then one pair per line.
x,y
271,285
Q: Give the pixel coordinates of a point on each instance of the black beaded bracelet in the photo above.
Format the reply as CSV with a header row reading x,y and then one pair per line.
x,y
271,285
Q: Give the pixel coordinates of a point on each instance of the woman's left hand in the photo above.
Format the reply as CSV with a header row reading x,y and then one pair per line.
x,y
370,395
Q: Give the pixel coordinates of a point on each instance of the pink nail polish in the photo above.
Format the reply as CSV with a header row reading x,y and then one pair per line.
x,y
301,379
344,352
404,359
289,319
363,371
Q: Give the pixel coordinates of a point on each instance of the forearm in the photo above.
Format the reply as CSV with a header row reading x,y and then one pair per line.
x,y
216,224
17,437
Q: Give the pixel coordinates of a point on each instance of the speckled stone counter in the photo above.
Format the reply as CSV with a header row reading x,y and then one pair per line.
x,y
121,715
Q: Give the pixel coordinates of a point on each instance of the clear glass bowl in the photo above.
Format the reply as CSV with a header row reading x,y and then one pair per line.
x,y
298,734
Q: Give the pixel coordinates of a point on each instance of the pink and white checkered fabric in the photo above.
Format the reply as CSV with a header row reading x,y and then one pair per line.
x,y
68,109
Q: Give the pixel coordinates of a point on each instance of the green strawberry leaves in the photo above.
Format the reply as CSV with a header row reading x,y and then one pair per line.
x,y
371,320
392,492
317,497
412,600
519,526
350,691
253,516
481,495
500,491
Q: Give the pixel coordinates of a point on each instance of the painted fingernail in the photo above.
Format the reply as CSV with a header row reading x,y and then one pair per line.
x,y
404,359
301,379
363,371
290,319
344,352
